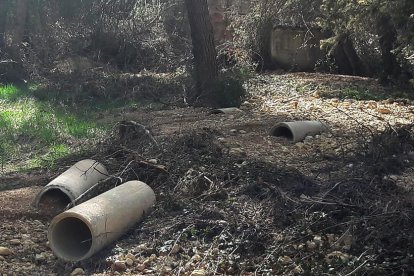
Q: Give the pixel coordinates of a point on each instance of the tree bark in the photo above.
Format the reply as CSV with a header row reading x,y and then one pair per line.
x,y
204,51
3,16
347,58
387,39
15,28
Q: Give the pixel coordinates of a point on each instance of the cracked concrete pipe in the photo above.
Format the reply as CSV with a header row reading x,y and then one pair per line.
x,y
65,188
78,233
297,131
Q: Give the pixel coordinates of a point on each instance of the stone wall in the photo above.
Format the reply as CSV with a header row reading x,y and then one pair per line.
x,y
294,48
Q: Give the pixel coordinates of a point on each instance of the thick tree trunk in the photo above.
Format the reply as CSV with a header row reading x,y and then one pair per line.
x,y
204,50
15,28
387,39
347,58
3,16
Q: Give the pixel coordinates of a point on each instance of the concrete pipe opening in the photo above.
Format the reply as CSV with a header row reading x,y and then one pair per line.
x,y
71,238
78,233
298,130
70,185
282,131
53,201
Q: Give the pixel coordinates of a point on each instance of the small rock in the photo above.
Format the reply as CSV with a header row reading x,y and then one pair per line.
x,y
129,261
393,177
241,131
153,161
119,266
215,251
198,272
233,131
140,267
383,110
40,257
237,151
196,258
300,145
77,272
4,251
15,242
284,260
131,256
308,138
318,240
298,269
167,270
230,270
2,258
311,245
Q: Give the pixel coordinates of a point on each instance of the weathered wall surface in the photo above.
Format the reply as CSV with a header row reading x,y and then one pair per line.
x,y
219,12
291,48
295,49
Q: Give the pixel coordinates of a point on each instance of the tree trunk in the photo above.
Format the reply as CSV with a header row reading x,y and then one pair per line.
x,y
15,28
204,50
3,16
347,58
387,39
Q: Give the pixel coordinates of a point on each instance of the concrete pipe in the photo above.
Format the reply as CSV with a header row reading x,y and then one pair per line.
x,y
65,188
297,131
78,233
227,110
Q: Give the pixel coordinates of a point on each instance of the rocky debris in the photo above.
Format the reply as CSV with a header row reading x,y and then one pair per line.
x,y
119,266
235,201
4,251
198,272
77,272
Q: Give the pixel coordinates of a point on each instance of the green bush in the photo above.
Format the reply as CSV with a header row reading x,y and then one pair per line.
x,y
228,91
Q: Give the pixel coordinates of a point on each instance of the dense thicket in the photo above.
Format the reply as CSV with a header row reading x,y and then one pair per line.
x,y
46,37
362,37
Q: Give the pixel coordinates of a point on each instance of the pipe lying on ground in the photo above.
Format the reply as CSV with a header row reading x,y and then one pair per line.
x,y
227,110
65,188
80,232
297,131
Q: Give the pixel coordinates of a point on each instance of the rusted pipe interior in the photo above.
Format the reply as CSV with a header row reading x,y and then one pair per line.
x,y
72,238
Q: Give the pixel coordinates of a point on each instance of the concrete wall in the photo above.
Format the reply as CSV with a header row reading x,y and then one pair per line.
x,y
291,48
295,49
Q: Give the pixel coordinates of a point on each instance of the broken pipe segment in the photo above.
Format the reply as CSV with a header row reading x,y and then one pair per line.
x,y
65,188
78,233
297,131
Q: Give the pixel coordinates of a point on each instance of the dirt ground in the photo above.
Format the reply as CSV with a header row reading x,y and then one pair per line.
x,y
234,200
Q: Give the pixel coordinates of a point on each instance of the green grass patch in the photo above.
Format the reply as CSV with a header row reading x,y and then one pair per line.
x,y
37,133
9,92
49,159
